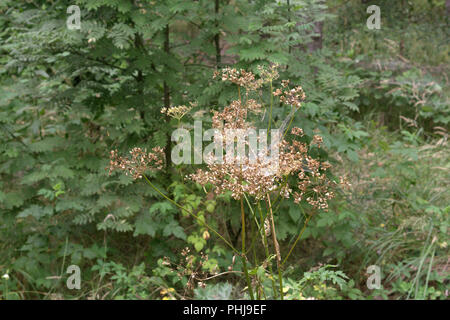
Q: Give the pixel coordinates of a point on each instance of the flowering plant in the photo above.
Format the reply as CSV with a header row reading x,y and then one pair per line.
x,y
257,180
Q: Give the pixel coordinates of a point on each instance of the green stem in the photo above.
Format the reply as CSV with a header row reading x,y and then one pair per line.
x,y
298,238
244,259
191,214
280,280
270,112
255,258
252,211
266,247
253,243
253,248
277,247
6,293
289,125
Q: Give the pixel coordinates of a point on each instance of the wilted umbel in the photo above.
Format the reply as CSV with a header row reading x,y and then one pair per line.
x,y
258,178
138,162
292,97
241,77
177,112
247,79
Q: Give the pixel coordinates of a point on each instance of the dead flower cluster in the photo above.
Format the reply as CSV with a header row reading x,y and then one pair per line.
x,y
257,178
138,162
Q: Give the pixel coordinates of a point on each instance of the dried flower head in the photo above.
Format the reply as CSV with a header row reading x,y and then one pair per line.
x,y
297,131
241,77
235,114
268,74
317,140
292,97
138,162
177,112
258,177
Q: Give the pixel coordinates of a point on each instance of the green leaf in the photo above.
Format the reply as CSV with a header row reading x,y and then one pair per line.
x,y
174,228
294,212
36,211
144,225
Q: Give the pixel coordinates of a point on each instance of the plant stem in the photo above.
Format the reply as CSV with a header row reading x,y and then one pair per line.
x,y
298,238
266,247
289,125
253,248
255,257
244,262
252,244
270,112
190,213
277,247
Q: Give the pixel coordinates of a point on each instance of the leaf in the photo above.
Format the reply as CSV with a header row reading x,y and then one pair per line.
x,y
144,225
121,35
197,241
174,228
352,106
47,144
162,207
36,211
13,199
294,212
352,155
322,222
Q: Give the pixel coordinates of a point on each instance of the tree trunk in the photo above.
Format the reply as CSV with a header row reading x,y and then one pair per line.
x,y
167,100
317,40
217,36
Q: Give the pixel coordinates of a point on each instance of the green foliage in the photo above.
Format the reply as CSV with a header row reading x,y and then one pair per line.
x,y
322,283
408,217
68,97
219,291
131,285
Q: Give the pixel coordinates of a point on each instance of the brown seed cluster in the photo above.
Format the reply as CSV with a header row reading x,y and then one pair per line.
x,y
312,183
138,162
247,79
238,176
254,175
234,115
192,268
257,177
240,77
292,97
316,191
297,131
318,140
